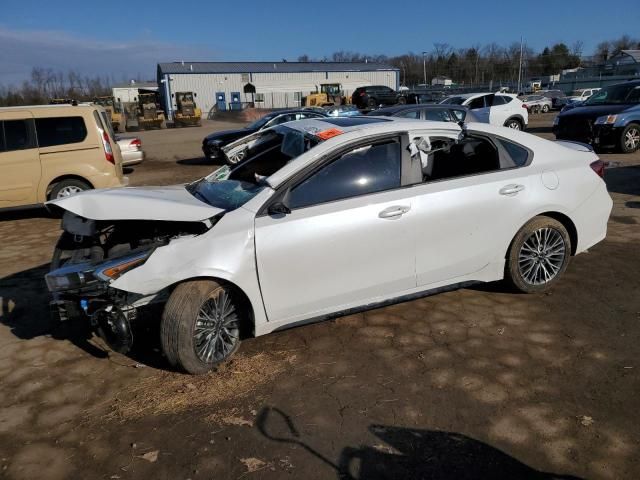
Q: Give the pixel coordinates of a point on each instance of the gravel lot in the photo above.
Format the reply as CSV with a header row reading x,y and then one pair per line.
x,y
472,384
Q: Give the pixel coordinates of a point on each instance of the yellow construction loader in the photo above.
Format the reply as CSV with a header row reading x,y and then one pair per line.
x,y
187,113
330,94
145,113
114,108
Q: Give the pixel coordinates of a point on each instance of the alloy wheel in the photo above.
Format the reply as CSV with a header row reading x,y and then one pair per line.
x,y
217,328
632,139
514,124
541,256
68,191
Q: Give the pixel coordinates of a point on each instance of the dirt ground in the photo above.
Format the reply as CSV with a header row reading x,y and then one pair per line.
x,y
473,384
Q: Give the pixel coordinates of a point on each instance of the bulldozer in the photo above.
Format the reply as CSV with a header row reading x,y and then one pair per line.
x,y
187,113
144,113
330,94
114,108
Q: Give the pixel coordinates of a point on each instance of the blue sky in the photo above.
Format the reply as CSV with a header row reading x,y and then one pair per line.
x,y
106,37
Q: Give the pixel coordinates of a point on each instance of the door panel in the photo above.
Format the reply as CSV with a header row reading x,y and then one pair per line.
x,y
19,162
466,223
327,257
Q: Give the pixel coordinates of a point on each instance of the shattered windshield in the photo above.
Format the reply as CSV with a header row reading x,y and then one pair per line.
x,y
263,154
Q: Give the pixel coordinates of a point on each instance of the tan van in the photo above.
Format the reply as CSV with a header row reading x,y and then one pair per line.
x,y
52,151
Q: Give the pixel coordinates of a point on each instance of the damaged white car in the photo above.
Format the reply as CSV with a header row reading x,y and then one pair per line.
x,y
323,217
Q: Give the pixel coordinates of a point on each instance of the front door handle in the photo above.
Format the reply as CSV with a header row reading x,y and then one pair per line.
x,y
511,190
394,211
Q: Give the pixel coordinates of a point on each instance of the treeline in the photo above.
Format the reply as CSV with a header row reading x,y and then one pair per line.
x,y
482,64
46,84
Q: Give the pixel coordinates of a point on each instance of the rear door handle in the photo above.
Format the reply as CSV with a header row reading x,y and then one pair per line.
x,y
394,211
511,190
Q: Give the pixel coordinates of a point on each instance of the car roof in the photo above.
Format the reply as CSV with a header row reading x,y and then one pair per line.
x,y
361,127
53,106
415,106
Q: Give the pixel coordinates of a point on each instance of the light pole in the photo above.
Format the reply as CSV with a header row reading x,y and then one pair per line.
x,y
424,67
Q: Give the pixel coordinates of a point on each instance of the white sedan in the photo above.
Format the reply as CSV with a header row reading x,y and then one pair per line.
x,y
324,217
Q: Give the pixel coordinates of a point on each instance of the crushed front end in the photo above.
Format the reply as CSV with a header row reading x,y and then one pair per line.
x,y
90,255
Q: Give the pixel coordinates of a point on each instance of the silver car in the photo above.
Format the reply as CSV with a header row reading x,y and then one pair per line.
x,y
537,103
131,149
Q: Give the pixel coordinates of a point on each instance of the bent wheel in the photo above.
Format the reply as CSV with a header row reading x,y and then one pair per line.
x,y
200,325
538,256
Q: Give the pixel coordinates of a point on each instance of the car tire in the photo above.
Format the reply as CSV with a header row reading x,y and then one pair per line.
x,y
68,187
200,325
630,138
545,109
538,255
513,123
371,103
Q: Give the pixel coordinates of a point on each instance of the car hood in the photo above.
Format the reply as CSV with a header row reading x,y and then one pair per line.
x,y
228,135
593,112
173,203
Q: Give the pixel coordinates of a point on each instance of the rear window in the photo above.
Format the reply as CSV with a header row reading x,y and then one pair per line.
x,y
60,130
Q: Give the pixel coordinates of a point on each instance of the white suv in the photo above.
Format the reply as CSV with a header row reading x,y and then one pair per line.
x,y
500,109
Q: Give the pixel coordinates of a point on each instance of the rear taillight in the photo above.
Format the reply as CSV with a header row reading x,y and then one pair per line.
x,y
524,106
598,167
108,151
136,143
362,94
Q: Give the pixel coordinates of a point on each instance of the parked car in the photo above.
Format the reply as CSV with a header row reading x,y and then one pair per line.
x,y
609,118
213,143
581,94
416,96
325,216
52,151
497,109
376,95
435,112
537,103
131,150
558,98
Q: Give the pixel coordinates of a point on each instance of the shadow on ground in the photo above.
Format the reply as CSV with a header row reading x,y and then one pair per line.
x,y
624,180
196,161
408,453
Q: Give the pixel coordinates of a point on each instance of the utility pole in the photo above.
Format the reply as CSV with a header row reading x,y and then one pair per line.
x,y
424,67
520,67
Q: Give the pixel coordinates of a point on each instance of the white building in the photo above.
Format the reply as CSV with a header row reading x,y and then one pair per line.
x,y
128,92
232,85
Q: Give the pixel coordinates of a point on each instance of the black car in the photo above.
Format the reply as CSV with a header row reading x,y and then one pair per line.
x,y
213,143
435,112
375,95
609,118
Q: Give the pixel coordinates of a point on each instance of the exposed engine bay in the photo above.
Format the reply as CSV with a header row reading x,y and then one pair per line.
x,y
90,254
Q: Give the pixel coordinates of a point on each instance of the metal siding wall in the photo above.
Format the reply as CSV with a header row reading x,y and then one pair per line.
x,y
206,85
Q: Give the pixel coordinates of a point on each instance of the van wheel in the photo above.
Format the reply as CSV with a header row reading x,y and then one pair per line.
x,y
68,187
538,255
200,325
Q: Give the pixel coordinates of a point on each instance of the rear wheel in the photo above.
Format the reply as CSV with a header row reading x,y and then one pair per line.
x,y
68,187
630,138
545,109
513,123
538,256
200,325
371,103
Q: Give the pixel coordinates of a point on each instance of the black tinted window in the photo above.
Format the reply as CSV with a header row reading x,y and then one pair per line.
x,y
437,115
369,169
476,103
518,154
60,130
498,100
17,135
470,156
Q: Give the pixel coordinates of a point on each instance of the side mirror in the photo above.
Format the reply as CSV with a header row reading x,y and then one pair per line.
x,y
278,208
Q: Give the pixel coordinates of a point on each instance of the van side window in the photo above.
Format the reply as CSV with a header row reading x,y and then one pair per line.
x,y
60,130
17,135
